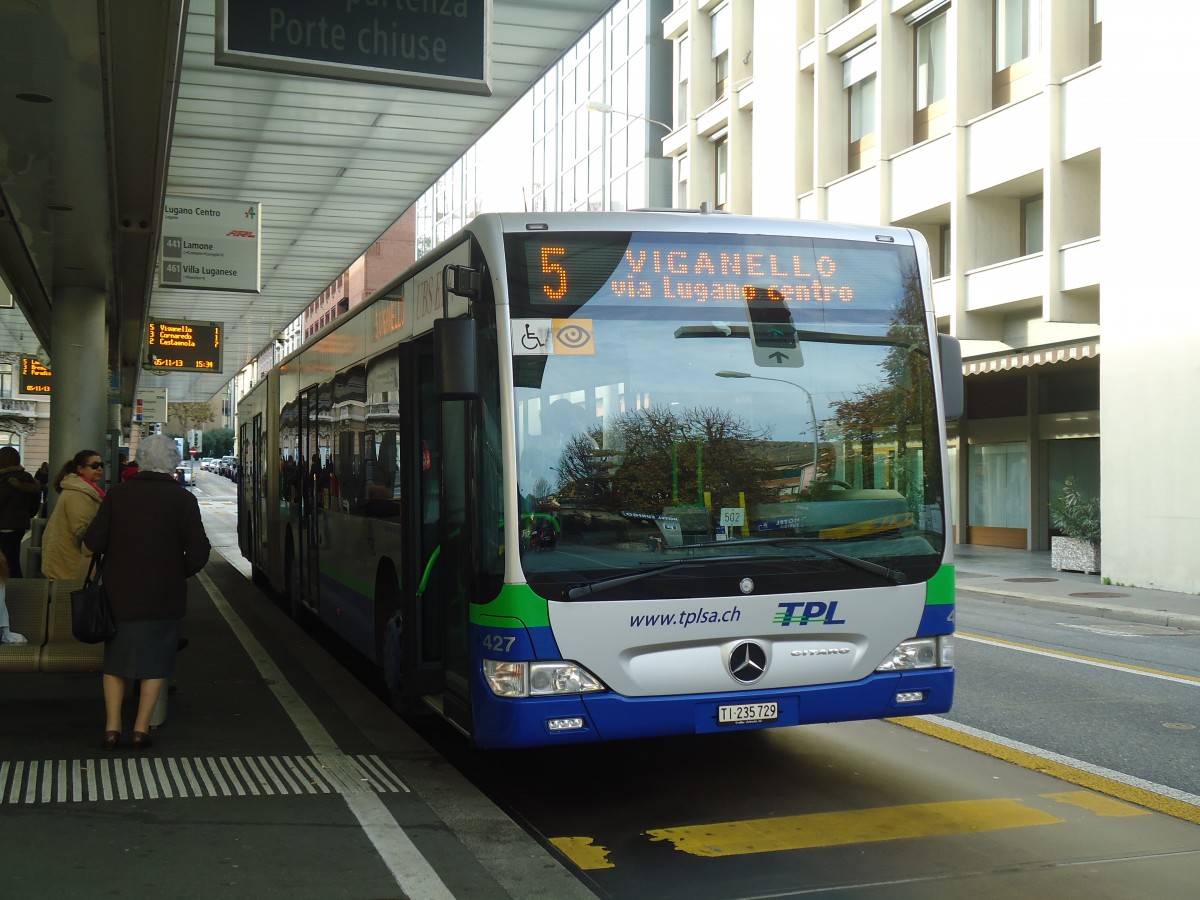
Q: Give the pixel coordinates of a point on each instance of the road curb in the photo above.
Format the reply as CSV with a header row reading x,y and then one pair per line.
x,y
1090,607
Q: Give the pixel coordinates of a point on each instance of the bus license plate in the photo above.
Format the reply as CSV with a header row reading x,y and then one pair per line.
x,y
747,712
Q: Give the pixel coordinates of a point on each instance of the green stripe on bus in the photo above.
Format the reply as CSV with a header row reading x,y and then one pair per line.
x,y
516,601
357,585
939,589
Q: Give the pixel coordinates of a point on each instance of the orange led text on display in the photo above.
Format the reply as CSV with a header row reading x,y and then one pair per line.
x,y
699,276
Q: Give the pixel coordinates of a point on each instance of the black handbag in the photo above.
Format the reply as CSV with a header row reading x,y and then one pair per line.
x,y
91,619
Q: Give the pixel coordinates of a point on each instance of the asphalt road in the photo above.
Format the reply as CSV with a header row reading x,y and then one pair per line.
x,y
1122,696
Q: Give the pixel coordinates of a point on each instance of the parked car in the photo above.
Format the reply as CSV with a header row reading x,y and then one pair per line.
x,y
227,466
206,463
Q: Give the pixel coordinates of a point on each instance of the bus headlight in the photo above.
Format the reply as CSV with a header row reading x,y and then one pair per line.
x,y
506,679
920,653
538,679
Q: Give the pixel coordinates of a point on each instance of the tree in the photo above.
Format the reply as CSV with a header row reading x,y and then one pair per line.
x,y
218,442
190,415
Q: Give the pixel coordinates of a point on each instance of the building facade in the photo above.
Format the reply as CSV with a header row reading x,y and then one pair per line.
x,y
990,128
973,123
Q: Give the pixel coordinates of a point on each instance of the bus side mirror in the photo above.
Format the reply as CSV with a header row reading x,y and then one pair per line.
x,y
454,339
454,342
950,353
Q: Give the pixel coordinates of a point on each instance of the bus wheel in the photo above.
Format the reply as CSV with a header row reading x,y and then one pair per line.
x,y
390,639
291,580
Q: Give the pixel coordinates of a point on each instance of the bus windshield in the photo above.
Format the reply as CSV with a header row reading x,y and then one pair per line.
x,y
689,405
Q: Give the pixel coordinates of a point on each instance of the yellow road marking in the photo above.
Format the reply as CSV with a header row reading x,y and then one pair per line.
x,y
1156,802
859,826
1088,659
581,851
1097,803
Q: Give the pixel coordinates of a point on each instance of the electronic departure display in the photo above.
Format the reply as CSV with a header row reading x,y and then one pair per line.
x,y
35,376
184,346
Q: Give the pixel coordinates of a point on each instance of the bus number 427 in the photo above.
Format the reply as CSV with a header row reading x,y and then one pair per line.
x,y
498,643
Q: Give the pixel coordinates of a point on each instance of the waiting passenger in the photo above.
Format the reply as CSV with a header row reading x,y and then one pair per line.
x,y
146,567
78,482
20,497
7,635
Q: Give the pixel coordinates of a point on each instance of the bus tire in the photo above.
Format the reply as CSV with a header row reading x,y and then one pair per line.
x,y
390,639
291,580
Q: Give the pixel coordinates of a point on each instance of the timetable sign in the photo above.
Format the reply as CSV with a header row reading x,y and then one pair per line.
x,y
184,346
35,376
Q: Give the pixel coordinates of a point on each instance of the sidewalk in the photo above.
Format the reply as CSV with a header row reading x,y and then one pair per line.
x,y
1025,576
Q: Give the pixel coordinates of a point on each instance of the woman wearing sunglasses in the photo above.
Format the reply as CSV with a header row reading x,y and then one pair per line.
x,y
64,555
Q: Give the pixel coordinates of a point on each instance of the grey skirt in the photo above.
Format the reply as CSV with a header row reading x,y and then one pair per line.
x,y
143,648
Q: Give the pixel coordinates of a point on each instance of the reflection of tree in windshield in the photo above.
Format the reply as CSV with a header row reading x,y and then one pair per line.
x,y
652,459
894,417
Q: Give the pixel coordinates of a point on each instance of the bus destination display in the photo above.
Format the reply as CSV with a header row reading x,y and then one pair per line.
x,y
570,269
35,376
185,346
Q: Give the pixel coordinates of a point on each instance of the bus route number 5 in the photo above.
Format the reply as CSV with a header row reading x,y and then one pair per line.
x,y
499,643
552,267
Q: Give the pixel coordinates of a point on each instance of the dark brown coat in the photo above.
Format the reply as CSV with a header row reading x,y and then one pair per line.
x,y
150,532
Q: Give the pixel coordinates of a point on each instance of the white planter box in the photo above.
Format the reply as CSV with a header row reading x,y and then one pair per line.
x,y
1074,555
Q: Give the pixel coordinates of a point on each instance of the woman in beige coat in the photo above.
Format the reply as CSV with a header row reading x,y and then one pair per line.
x,y
64,555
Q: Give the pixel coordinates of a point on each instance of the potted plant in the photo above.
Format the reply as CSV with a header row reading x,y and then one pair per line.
x,y
1078,518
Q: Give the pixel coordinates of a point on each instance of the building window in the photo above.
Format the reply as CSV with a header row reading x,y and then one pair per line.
x,y
682,168
683,70
722,34
6,381
929,75
1031,225
1015,42
999,488
1096,35
721,160
943,252
858,78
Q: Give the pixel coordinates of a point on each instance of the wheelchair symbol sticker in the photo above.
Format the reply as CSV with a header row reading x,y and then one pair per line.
x,y
552,337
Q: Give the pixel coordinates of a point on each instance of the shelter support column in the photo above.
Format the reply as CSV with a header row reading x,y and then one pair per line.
x,y
79,359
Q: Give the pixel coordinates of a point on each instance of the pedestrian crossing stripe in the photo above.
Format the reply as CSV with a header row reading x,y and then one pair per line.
x,y
36,782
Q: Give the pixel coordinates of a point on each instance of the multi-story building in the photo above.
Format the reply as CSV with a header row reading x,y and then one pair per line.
x,y
984,126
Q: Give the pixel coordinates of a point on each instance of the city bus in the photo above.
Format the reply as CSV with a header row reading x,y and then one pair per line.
x,y
578,477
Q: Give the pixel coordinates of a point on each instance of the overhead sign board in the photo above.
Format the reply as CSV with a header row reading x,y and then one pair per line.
x,y
184,346
441,45
150,406
35,376
211,245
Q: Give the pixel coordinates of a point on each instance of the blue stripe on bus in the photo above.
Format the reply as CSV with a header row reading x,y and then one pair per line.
x,y
936,620
505,722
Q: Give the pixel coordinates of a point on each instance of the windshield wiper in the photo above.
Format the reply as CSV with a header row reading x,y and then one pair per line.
x,y
895,576
604,584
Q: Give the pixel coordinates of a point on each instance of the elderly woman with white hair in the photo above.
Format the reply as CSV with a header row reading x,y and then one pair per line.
x,y
150,532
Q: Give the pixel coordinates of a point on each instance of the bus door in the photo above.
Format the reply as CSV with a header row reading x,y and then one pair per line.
x,y
308,572
445,538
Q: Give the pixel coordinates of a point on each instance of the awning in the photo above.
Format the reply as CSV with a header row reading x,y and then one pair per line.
x,y
1036,356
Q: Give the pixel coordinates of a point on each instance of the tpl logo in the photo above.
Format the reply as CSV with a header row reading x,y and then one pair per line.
x,y
808,611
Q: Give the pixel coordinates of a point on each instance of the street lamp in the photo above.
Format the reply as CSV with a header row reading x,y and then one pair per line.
x,y
812,410
606,108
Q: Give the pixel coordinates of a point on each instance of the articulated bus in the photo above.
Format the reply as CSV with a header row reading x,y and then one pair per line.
x,y
591,476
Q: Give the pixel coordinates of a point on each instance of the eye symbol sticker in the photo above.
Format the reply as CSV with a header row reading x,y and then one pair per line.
x,y
573,336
